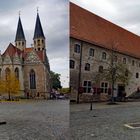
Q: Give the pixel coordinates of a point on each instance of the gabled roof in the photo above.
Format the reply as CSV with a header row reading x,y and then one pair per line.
x,y
20,33
39,53
11,50
38,29
91,28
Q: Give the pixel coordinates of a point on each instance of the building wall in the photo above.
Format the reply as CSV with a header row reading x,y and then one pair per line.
x,y
40,79
95,62
12,68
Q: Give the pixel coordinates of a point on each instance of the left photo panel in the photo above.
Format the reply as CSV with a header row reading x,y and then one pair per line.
x,y
34,69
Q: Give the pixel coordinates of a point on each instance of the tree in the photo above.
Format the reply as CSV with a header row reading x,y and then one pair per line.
x,y
9,85
55,78
64,90
115,72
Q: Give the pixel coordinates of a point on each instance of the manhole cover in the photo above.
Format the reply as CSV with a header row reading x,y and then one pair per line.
x,y
133,125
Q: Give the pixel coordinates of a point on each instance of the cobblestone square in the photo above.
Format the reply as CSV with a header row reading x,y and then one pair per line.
x,y
104,122
35,120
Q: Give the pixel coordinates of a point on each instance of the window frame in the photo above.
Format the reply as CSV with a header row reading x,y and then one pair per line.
x,y
17,73
87,67
77,48
104,88
137,75
72,63
124,60
133,62
100,69
104,55
32,76
91,52
87,87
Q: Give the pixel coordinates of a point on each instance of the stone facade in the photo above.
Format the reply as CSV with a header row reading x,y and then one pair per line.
x,y
31,63
92,41
133,64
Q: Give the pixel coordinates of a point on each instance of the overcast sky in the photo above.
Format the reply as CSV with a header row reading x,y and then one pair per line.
x,y
125,13
54,19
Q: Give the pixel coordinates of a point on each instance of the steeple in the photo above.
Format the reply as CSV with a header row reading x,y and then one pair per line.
x,y
39,38
20,41
38,29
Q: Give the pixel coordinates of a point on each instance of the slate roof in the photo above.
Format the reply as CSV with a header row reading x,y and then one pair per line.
x,y
20,33
91,28
38,29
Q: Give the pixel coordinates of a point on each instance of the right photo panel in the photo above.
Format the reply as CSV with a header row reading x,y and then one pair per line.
x,y
104,70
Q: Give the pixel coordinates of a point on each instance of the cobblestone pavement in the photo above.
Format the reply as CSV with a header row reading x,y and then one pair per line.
x,y
35,120
104,122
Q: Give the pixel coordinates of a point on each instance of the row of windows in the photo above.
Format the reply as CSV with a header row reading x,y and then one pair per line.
x,y
100,70
20,43
77,49
87,66
103,87
38,42
39,49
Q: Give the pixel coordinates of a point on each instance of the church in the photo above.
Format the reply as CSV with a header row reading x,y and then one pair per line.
x,y
92,39
30,64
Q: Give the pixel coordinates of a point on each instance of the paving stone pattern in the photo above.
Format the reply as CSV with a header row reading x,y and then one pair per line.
x,y
104,122
35,120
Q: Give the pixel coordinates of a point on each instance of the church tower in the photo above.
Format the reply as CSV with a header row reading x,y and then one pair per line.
x,y
20,41
39,38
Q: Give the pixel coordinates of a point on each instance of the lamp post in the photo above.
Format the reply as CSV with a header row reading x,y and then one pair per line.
x,y
92,91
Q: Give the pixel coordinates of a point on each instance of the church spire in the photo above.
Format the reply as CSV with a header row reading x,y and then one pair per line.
x,y
38,33
20,33
39,38
20,41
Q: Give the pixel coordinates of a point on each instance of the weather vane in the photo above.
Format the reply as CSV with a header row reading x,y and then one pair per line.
x,y
19,13
37,9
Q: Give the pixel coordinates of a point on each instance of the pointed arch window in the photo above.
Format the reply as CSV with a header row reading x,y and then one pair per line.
x,y
38,41
17,73
32,80
42,41
7,73
0,73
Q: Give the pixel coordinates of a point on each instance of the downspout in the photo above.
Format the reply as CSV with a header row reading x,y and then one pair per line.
x,y
80,68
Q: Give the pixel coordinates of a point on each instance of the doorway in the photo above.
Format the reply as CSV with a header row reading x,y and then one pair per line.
x,y
121,89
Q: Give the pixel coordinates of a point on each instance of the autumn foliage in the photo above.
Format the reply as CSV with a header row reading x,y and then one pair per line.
x,y
9,85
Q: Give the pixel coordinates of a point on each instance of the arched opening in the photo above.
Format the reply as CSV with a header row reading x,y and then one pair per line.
x,y
22,43
7,73
17,73
0,73
32,79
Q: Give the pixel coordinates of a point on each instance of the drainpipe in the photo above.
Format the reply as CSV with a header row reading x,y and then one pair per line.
x,y
80,68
